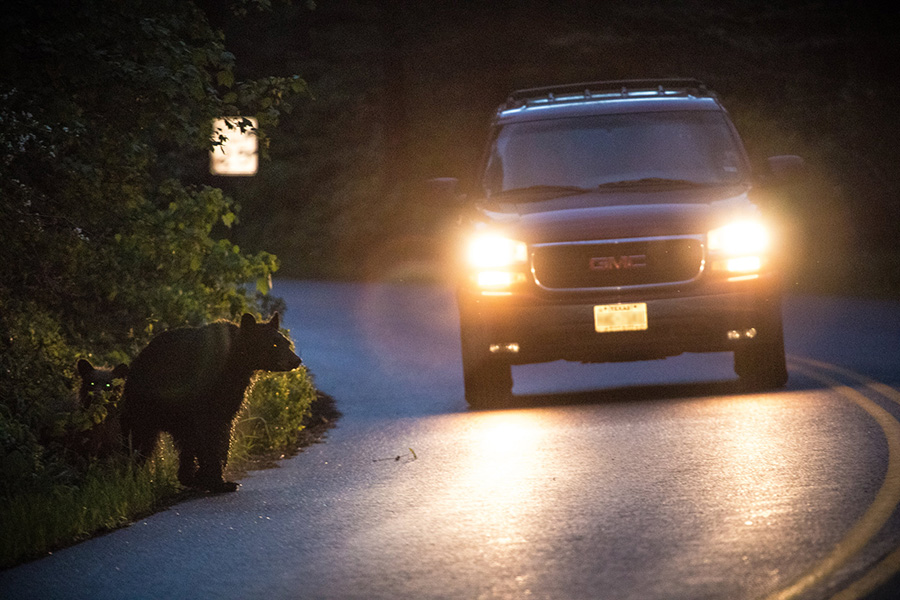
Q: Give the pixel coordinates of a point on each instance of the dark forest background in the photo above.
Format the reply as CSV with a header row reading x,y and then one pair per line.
x,y
403,90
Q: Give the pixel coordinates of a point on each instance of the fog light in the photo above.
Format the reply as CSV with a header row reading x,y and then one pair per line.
x,y
511,348
494,279
743,334
498,279
744,264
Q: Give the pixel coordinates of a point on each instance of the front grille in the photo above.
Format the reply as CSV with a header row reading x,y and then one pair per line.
x,y
618,263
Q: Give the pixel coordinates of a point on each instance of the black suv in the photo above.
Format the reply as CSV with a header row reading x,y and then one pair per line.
x,y
615,221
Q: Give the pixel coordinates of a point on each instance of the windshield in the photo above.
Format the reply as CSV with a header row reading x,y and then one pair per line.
x,y
586,153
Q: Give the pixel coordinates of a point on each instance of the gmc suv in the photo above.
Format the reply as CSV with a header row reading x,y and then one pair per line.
x,y
615,221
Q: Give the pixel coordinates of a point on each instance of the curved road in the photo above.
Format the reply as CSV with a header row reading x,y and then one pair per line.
x,y
645,480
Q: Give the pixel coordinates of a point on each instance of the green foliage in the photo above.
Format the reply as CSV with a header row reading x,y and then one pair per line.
x,y
104,234
20,454
109,494
111,232
106,496
277,408
104,241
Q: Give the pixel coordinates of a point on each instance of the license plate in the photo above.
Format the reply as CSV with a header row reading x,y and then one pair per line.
x,y
620,317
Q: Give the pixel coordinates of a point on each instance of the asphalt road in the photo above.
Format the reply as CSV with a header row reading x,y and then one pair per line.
x,y
647,480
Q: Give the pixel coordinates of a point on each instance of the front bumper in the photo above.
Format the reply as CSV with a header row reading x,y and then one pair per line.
x,y
536,328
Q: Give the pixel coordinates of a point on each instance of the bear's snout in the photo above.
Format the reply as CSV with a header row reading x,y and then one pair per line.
x,y
285,360
292,363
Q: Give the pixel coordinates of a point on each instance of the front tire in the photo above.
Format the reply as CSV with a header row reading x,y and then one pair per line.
x,y
487,379
762,365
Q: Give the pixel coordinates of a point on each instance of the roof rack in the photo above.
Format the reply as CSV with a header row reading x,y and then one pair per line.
x,y
624,88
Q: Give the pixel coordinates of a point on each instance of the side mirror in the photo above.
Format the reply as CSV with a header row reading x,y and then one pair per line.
x,y
786,169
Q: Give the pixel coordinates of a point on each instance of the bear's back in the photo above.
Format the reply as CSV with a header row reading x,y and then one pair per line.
x,y
181,363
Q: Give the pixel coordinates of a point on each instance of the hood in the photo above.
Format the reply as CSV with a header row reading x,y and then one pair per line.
x,y
618,215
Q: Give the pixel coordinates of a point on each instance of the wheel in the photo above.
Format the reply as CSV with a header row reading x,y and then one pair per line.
x,y
762,365
487,379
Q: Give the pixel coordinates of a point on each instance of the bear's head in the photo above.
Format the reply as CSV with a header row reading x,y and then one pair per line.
x,y
99,383
264,348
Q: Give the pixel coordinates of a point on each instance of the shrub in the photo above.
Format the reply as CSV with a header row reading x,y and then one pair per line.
x,y
110,233
277,408
57,511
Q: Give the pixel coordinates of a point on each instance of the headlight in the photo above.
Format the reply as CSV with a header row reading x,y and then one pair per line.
x,y
492,251
739,248
497,262
741,238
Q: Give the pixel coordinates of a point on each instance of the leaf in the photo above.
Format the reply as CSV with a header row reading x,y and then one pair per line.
x,y
228,219
264,284
225,78
298,85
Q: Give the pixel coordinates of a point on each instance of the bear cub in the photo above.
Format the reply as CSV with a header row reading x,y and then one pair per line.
x,y
190,382
96,382
98,397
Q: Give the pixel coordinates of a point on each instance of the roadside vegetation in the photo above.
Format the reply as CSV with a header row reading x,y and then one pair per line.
x,y
69,503
114,231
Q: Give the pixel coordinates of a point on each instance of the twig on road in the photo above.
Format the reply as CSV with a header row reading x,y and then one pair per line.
x,y
397,458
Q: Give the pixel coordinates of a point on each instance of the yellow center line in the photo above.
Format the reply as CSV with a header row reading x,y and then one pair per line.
x,y
885,390
882,507
890,565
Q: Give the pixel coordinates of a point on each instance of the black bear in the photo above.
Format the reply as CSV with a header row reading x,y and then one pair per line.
x,y
97,431
190,382
97,383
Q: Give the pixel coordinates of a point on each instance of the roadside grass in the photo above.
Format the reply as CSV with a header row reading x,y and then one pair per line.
x,y
111,494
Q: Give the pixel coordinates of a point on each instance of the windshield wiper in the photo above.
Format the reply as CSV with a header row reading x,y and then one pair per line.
x,y
566,190
571,190
651,181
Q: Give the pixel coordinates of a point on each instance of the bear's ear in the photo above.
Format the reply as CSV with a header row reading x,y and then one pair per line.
x,y
275,321
84,367
120,372
248,321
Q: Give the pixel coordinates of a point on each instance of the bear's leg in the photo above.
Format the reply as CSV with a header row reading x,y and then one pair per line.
x,y
186,447
212,456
